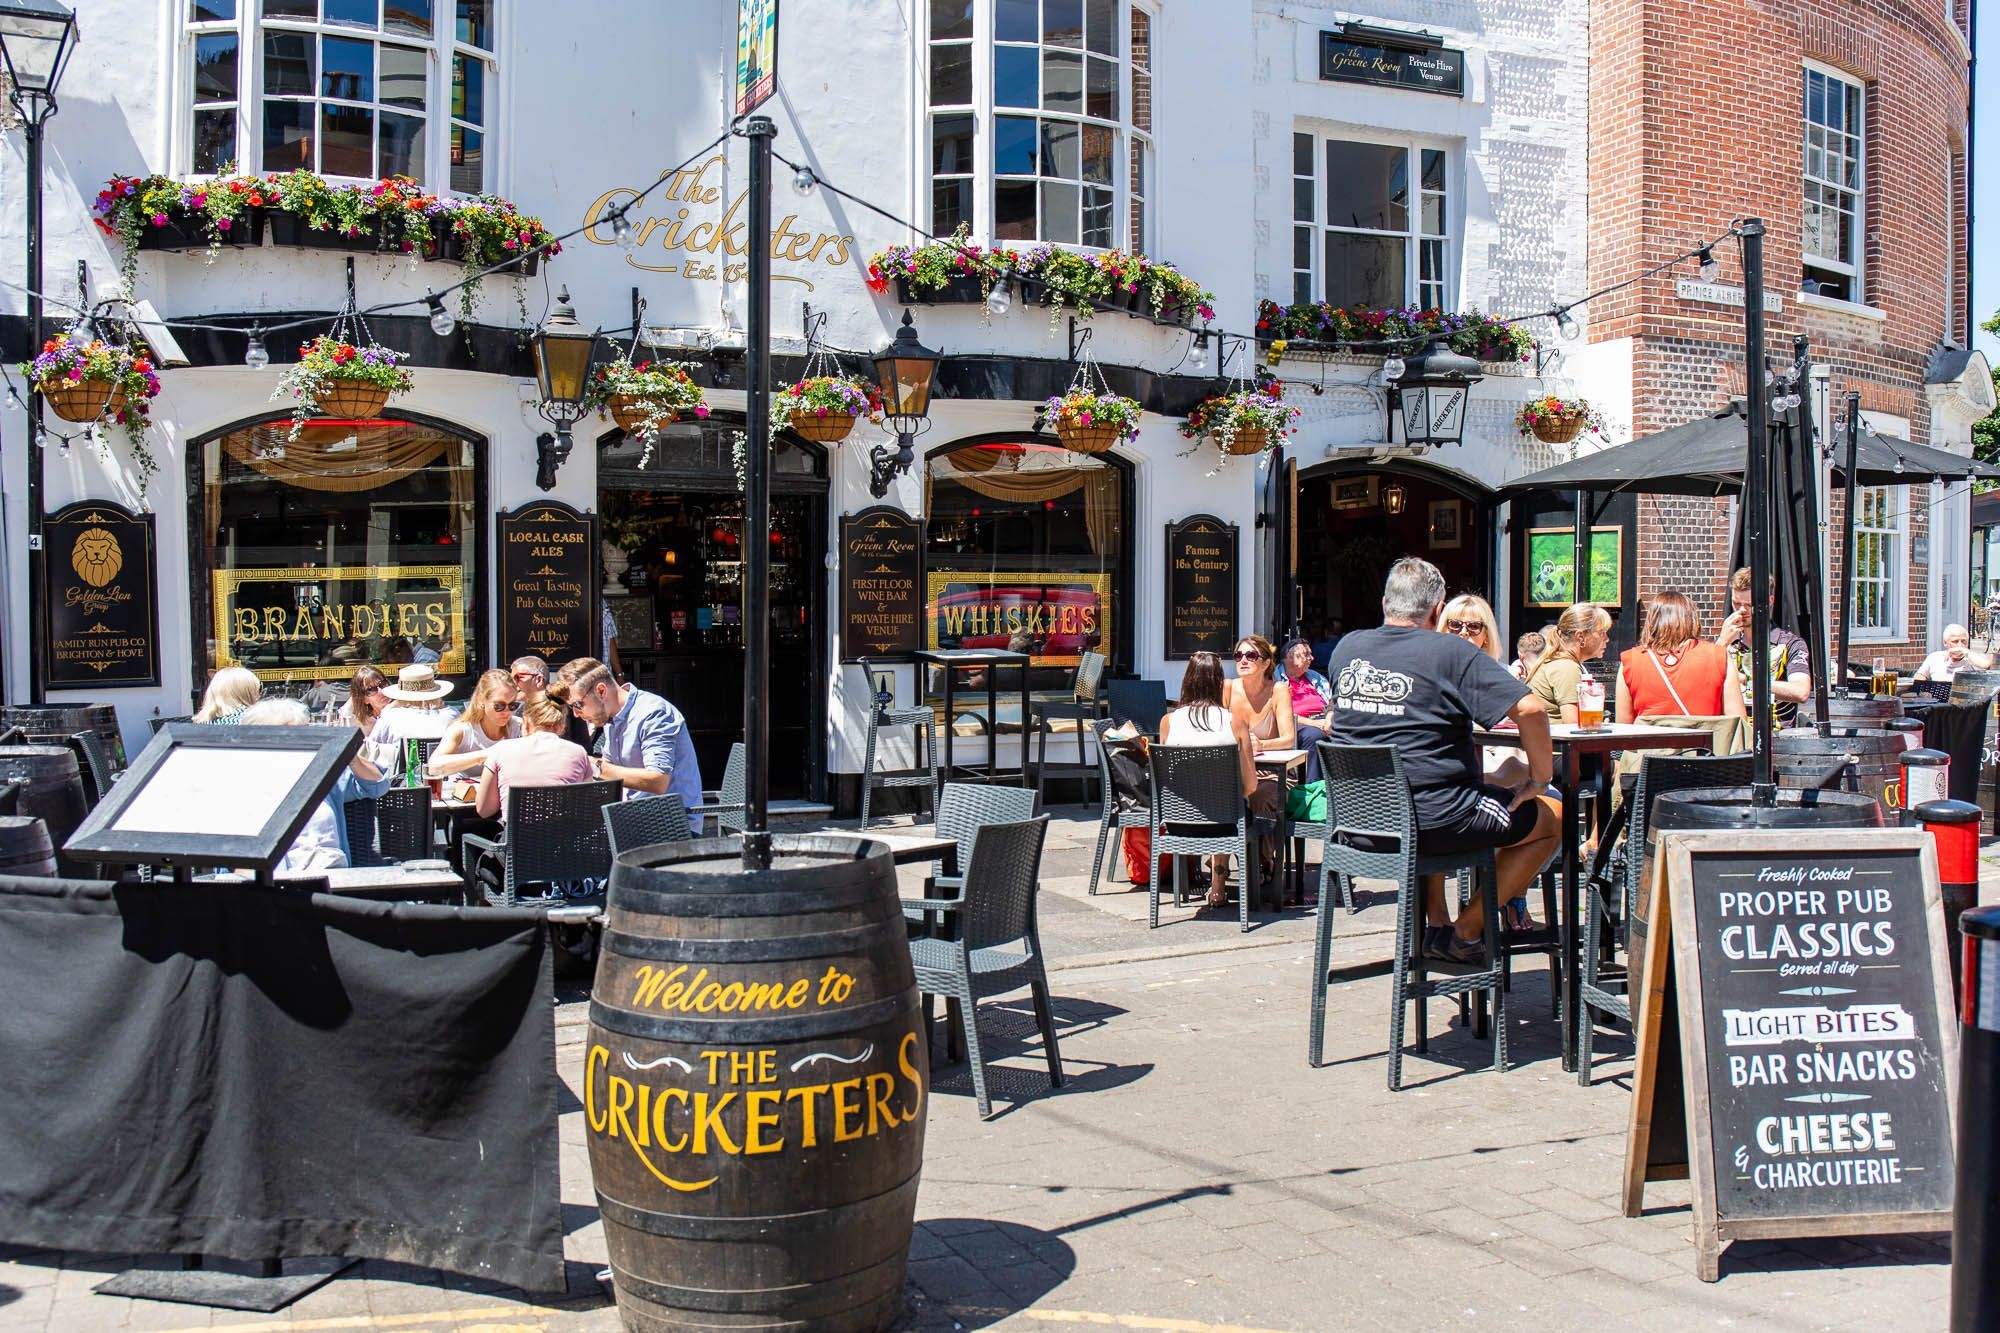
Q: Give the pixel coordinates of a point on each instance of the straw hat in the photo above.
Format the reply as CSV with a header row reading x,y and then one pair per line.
x,y
417,683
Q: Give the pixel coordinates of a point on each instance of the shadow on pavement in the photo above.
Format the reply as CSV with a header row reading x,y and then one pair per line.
x,y
8,1295
971,1272
1016,1069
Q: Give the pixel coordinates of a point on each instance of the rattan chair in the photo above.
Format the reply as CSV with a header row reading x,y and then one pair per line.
x,y
551,835
1085,705
882,712
359,817
1368,800
1142,702
93,765
1117,814
1198,809
403,829
156,723
966,807
725,804
1598,991
645,821
990,944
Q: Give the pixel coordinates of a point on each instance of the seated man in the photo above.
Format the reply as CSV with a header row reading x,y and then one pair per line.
x,y
646,742
1424,692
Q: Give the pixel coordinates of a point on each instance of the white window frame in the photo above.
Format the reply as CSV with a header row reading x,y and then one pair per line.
x,y
1125,137
1881,526
1850,265
1414,283
441,48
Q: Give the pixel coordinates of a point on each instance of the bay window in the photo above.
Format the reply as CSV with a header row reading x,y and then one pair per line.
x,y
1041,119
359,89
1370,223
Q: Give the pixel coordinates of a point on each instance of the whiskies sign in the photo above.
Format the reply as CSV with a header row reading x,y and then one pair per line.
x,y
104,623
548,574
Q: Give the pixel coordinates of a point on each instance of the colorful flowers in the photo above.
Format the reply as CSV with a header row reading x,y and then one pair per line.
x,y
1468,332
1557,420
326,363
1091,422
1245,421
644,399
1069,279
95,381
831,395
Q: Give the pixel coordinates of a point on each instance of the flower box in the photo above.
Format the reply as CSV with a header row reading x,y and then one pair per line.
x,y
959,289
192,233
291,229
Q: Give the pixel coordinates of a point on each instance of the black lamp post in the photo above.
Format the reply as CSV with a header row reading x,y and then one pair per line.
x,y
905,373
1432,391
37,38
562,370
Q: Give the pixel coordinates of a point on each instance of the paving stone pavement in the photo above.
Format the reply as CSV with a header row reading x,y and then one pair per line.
x,y
1194,1174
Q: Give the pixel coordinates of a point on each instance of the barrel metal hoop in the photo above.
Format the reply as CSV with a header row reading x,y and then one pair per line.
x,y
628,897
689,1226
662,948
802,1300
760,1030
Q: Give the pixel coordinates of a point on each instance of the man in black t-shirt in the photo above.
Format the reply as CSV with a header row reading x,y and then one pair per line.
x,y
1791,671
1424,692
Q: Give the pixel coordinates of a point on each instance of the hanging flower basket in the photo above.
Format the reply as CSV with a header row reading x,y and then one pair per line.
x,y
85,400
630,412
1243,422
1249,440
825,407
1558,431
1090,421
1554,420
646,398
1092,439
352,400
336,378
829,429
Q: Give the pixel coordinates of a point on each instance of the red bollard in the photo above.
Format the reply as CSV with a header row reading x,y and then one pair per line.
x,y
1954,828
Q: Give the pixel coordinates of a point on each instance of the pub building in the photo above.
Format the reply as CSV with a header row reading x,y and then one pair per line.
x,y
1384,165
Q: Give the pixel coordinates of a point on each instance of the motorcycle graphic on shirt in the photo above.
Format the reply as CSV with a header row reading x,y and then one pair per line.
x,y
1364,687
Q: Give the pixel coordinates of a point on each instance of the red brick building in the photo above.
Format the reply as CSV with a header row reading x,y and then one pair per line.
x,y
1843,126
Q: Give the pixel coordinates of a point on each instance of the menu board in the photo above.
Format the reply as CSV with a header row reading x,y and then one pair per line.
x,y
881,583
100,576
1812,989
548,582
1201,586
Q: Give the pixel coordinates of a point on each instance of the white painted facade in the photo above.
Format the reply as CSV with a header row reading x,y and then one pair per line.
x,y
598,96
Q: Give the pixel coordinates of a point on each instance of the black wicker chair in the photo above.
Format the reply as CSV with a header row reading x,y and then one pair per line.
x,y
645,821
359,817
1198,808
403,824
990,944
552,835
1085,705
1143,702
882,712
1960,731
1368,805
1118,813
1600,991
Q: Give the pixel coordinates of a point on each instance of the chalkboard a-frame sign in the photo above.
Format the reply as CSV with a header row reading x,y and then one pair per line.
x,y
1809,988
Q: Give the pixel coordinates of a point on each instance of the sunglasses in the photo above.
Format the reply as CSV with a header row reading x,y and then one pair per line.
x,y
506,707
528,676
378,689
1249,655
1464,627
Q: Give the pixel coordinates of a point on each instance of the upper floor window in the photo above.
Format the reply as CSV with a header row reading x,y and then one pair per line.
x,y
355,88
1041,120
1830,238
1369,223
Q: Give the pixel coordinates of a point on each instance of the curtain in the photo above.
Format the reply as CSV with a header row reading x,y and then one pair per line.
x,y
1032,486
323,459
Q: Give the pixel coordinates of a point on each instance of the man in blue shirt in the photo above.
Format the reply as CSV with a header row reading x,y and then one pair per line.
x,y
646,742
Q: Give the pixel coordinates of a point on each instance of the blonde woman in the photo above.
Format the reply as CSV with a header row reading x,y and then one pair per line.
x,y
490,717
1580,635
1470,616
230,691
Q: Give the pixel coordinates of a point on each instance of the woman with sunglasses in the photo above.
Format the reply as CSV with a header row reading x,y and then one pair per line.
x,y
487,720
1256,700
1470,616
365,700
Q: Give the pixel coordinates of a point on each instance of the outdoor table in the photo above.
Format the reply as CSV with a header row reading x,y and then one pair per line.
x,y
1571,744
954,660
393,883
451,816
1287,765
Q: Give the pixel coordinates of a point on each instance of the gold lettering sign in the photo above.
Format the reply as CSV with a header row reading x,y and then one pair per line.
x,y
1057,615
285,623
702,239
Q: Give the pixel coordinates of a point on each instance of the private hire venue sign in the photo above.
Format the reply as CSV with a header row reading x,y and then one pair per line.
x,y
686,228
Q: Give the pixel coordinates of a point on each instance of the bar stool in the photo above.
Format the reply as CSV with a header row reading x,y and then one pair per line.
x,y
882,712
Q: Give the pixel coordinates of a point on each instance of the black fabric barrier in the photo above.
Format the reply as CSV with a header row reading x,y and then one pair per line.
x,y
253,1073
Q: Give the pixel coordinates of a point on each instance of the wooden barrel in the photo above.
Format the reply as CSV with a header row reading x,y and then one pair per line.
x,y
40,720
1858,710
25,848
1972,685
755,1078
1801,759
51,786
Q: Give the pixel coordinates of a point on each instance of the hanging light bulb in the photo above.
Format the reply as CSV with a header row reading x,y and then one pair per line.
x,y
41,436
1001,299
1392,368
1197,357
1566,323
256,355
80,331
1898,469
442,322
803,180
621,230
1709,268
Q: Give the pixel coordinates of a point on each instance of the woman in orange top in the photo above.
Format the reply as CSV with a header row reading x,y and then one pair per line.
x,y
1674,672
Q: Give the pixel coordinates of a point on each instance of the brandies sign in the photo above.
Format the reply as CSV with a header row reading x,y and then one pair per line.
x,y
881,583
1812,994
1374,57
548,575
100,577
1201,586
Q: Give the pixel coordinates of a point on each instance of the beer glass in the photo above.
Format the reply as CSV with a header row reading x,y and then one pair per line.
x,y
1589,704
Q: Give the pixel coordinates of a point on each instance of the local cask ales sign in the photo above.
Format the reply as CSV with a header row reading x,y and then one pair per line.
x,y
1812,991
548,579
100,577
1201,586
881,583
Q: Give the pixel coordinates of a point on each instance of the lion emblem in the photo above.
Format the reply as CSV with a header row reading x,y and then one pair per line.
x,y
95,557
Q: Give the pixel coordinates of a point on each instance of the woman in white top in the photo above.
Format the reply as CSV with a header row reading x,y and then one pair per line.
x,y
490,717
1203,719
417,711
1954,657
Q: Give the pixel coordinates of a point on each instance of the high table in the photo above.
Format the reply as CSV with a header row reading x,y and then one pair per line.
x,y
954,660
1287,765
1571,744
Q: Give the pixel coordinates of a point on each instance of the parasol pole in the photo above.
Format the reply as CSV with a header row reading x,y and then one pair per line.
x,y
1757,511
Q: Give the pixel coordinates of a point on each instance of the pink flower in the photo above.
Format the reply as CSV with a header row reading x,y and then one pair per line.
x,y
222,224
159,219
701,409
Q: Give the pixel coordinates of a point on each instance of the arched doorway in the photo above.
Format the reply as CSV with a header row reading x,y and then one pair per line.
x,y
674,514
1355,520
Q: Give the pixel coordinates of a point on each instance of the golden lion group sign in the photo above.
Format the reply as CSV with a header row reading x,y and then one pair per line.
x,y
99,580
